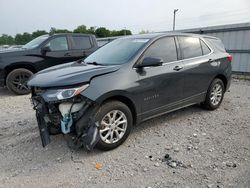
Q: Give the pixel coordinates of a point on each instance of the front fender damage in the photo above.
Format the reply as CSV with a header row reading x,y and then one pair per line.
x,y
86,129
75,119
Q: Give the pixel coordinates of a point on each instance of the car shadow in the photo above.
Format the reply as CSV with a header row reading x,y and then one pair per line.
x,y
168,117
4,92
184,112
59,144
58,151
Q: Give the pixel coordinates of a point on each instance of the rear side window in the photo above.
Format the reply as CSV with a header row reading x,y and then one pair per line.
x,y
205,48
190,47
163,48
81,42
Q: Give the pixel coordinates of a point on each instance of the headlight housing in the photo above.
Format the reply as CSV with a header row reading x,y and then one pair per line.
x,y
60,94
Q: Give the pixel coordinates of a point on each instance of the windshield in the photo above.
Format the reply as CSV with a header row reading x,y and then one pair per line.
x,y
35,42
118,51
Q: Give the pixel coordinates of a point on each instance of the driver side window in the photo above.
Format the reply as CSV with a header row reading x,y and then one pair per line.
x,y
164,49
58,44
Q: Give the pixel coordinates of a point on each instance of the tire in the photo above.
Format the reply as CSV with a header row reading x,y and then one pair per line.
x,y
212,103
123,112
17,79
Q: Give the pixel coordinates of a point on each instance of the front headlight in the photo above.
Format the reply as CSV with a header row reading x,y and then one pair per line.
x,y
61,94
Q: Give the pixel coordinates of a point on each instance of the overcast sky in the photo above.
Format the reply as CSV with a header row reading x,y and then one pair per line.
x,y
17,16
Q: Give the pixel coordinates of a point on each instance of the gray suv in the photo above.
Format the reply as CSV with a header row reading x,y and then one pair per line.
x,y
129,80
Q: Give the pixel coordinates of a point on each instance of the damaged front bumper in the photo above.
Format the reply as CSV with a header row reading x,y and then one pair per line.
x,y
74,118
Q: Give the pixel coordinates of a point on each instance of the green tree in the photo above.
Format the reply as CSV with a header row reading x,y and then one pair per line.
x,y
121,32
6,39
102,32
22,39
91,30
53,30
38,33
115,33
63,31
81,29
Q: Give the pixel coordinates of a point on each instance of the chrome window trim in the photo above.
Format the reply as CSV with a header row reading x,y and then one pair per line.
x,y
192,58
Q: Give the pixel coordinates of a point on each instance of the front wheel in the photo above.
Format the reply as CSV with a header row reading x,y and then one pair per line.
x,y
115,120
214,95
16,81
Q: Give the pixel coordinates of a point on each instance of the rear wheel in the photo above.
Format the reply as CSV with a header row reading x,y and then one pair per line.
x,y
115,120
214,95
16,81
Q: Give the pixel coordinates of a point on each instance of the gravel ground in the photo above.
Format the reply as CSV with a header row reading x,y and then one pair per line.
x,y
187,148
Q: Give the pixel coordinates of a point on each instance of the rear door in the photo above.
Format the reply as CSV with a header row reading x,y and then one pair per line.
x,y
199,66
161,87
81,46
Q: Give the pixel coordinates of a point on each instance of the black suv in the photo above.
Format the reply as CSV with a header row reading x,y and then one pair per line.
x,y
129,80
17,65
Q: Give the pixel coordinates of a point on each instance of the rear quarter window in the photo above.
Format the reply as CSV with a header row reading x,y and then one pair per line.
x,y
190,47
81,42
217,43
205,48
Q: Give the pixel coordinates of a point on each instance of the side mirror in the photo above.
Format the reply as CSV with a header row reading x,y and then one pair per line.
x,y
150,62
45,49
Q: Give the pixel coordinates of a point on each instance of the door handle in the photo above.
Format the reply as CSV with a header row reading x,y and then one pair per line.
x,y
210,61
177,68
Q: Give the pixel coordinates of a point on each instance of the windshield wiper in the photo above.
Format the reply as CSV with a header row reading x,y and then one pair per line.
x,y
93,63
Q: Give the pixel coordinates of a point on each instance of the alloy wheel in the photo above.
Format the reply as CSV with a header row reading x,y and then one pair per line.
x,y
20,81
113,126
216,94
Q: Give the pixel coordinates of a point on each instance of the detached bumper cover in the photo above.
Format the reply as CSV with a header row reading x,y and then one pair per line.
x,y
41,114
84,132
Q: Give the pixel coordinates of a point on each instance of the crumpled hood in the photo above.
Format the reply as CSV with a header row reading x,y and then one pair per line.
x,y
69,74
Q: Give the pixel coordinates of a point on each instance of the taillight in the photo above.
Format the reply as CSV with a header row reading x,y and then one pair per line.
x,y
230,58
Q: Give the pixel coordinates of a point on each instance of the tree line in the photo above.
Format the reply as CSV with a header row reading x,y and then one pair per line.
x,y
21,39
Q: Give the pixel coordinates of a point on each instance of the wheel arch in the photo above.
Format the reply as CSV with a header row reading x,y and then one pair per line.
x,y
23,65
223,78
127,101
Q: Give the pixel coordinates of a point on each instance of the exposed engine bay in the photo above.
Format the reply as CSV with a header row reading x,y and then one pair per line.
x,y
71,116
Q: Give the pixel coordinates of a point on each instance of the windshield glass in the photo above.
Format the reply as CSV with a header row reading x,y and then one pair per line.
x,y
35,42
117,52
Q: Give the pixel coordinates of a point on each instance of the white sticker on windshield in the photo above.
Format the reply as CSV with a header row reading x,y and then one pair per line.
x,y
140,40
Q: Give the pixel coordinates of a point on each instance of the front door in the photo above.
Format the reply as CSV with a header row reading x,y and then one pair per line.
x,y
58,54
162,86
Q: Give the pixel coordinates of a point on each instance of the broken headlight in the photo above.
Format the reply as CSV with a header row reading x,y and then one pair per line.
x,y
60,94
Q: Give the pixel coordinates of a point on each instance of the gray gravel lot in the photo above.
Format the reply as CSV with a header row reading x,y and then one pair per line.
x,y
205,148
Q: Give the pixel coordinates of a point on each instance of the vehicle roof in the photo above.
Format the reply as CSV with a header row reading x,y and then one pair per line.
x,y
158,35
74,34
